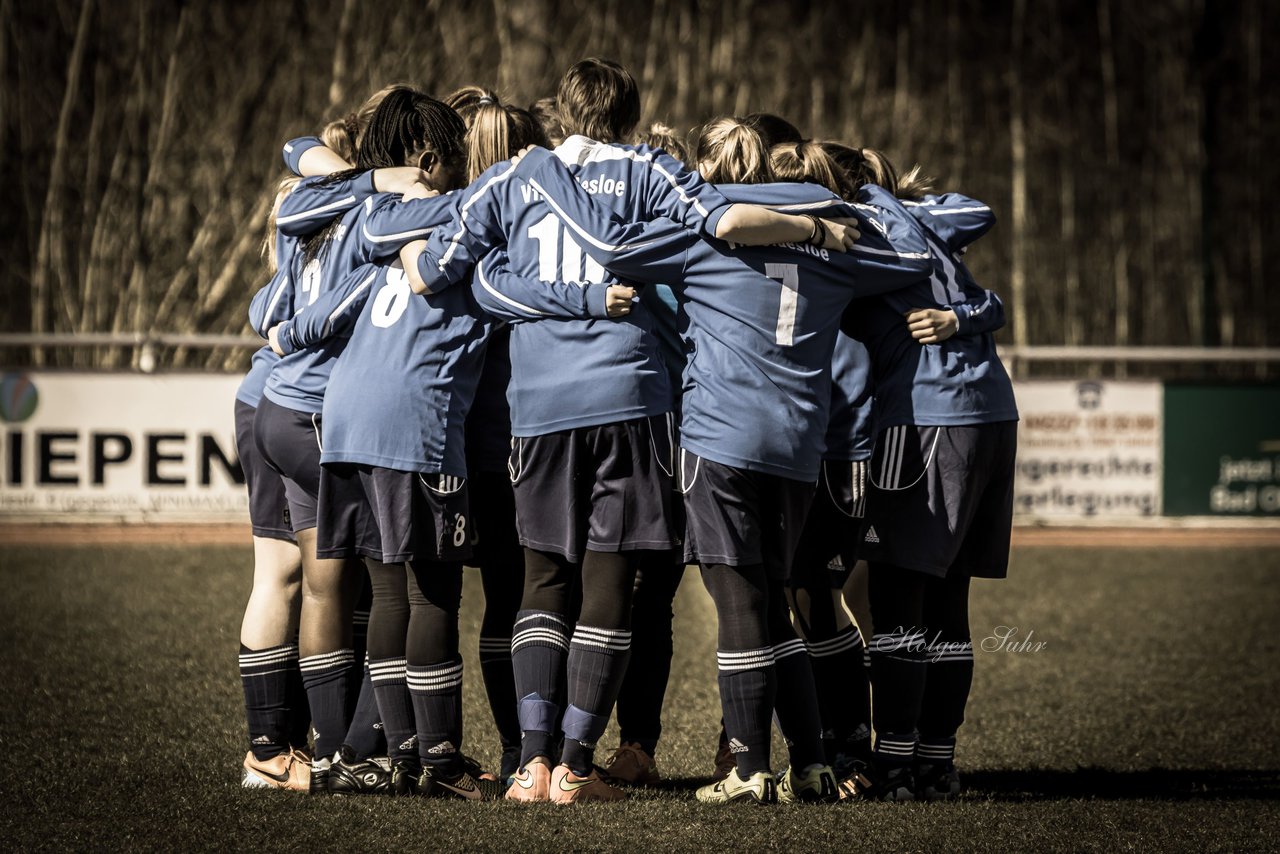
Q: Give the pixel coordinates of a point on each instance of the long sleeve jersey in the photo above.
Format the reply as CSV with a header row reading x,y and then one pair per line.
x,y
958,381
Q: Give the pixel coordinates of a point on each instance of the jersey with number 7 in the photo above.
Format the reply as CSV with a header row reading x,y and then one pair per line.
x,y
762,320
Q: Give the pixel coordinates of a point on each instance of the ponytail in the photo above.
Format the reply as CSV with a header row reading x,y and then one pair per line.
x,y
732,152
497,133
809,161
878,169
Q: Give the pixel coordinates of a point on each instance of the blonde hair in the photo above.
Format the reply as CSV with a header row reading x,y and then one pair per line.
x,y
730,151
344,135
467,100
497,132
283,189
662,136
809,161
878,169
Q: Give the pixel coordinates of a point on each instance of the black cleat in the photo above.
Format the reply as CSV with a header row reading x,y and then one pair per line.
x,y
404,780
460,784
351,776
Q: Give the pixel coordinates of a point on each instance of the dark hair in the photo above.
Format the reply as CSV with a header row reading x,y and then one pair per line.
x,y
544,110
406,122
598,98
774,129
809,161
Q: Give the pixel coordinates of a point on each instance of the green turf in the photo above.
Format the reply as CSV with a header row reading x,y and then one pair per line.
x,y
1147,722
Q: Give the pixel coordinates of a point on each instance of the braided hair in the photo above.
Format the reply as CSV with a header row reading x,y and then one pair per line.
x,y
407,122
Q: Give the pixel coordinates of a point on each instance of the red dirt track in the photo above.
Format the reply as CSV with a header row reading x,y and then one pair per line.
x,y
201,535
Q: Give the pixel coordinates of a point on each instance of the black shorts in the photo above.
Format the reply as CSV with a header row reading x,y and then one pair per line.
x,y
606,488
740,517
268,507
494,541
392,516
834,527
941,499
289,442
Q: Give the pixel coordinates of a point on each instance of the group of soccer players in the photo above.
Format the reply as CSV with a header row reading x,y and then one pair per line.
x,y
579,369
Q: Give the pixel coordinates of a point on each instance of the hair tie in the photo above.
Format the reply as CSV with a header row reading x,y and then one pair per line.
x,y
485,99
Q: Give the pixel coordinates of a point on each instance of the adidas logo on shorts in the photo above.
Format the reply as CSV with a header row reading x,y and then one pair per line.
x,y
871,536
736,746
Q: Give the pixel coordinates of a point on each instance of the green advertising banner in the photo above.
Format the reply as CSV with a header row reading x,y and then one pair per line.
x,y
1222,450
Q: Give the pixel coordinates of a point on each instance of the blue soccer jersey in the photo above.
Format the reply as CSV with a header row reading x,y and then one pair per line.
x,y
958,381
298,382
850,427
574,373
762,321
401,392
269,306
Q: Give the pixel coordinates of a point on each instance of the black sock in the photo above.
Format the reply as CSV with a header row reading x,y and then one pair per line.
x,y
645,685
797,699
949,673
503,578
326,677
748,689
844,696
539,650
365,735
897,661
396,709
747,676
597,662
299,709
264,674
436,690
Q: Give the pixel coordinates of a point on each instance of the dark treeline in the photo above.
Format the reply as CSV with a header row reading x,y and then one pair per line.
x,y
1125,145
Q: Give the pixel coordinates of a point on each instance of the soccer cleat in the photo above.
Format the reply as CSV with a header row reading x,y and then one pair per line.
x,y
458,785
568,788
855,783
816,785
759,789
473,768
532,782
880,784
351,776
279,772
631,764
404,779
937,782
320,774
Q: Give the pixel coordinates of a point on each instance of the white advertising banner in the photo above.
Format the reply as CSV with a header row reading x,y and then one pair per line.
x,y
130,447
1088,450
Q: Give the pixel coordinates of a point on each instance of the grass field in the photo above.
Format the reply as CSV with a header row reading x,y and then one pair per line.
x,y
1148,721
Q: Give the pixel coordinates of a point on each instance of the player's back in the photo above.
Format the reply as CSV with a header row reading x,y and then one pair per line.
x,y
958,381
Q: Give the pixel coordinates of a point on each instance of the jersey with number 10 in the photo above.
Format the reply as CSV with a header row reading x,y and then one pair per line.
x,y
574,373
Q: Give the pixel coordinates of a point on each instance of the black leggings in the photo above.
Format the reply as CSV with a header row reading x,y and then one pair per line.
x,y
608,580
414,611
